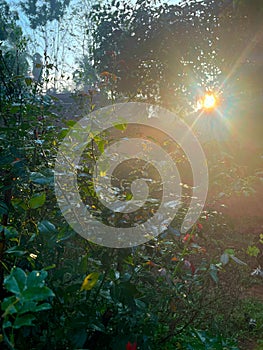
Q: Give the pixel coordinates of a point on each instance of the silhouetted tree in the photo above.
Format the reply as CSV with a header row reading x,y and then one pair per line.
x,y
41,12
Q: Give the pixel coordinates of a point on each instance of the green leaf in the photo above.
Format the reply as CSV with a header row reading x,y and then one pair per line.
x,y
6,323
10,232
28,81
224,259
3,208
79,337
37,201
25,320
42,307
83,267
238,261
140,304
70,123
97,327
18,203
101,145
201,336
129,196
40,179
230,251
50,267
28,306
253,250
46,226
9,305
213,273
16,251
121,127
36,279
16,281
127,293
38,294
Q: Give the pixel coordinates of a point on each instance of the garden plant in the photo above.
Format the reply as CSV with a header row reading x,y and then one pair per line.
x,y
199,289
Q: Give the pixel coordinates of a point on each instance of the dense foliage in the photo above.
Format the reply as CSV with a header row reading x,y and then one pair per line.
x,y
169,54
177,291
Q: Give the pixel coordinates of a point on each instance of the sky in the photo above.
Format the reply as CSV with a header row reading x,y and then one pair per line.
x,y
71,51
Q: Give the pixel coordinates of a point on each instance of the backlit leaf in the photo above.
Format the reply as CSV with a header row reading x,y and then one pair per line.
x,y
90,281
37,201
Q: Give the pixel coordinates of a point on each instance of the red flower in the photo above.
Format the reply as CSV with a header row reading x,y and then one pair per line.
x,y
130,346
199,225
189,265
192,268
188,238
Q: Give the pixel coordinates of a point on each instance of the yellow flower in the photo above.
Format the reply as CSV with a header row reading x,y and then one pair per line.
x,y
90,281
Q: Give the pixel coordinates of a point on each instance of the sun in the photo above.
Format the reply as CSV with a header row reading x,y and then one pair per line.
x,y
208,102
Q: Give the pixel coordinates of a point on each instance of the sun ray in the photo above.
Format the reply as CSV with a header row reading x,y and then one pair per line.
x,y
196,120
244,54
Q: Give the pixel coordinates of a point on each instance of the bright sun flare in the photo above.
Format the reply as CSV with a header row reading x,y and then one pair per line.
x,y
209,101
